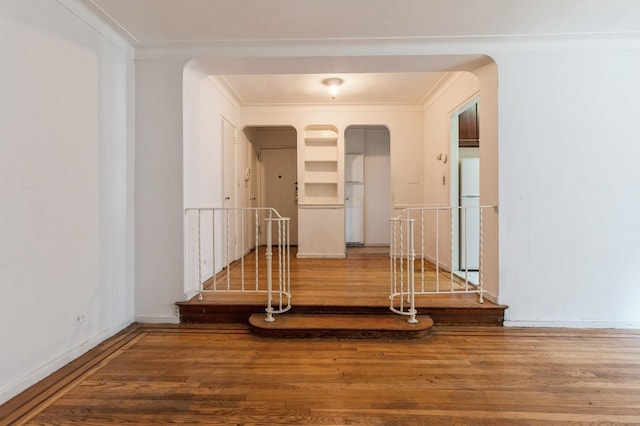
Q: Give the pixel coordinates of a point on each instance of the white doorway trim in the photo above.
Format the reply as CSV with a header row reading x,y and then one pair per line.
x,y
454,181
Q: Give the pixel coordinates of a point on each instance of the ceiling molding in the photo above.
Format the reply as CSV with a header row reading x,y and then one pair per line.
x,y
94,18
437,46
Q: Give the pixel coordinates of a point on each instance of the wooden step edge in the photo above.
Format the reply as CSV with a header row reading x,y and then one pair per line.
x,y
340,326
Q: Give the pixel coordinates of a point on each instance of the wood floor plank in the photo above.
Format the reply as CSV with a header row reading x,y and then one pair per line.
x,y
461,375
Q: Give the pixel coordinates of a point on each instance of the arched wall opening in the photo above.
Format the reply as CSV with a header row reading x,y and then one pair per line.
x,y
416,178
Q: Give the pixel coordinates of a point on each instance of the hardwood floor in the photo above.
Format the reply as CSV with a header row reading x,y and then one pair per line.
x,y
357,284
363,275
222,374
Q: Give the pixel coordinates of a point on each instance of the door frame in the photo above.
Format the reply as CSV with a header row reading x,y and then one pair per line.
x,y
454,181
365,199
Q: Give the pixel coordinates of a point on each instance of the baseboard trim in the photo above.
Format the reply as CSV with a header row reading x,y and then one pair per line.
x,y
16,387
626,325
321,255
189,295
158,320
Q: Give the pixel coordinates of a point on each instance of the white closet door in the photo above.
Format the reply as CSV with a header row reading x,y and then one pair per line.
x,y
354,213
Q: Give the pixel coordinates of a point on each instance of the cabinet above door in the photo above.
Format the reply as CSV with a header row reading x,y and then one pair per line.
x,y
468,128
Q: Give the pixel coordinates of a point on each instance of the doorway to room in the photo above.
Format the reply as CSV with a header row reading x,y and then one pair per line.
x,y
276,159
465,190
367,185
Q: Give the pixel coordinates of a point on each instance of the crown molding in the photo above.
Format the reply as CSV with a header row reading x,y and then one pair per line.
x,y
93,17
477,46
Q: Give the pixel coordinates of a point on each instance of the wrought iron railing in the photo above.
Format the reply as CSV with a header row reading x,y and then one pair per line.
x,y
443,247
232,250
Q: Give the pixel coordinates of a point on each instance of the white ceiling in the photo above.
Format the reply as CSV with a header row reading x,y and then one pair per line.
x,y
361,88
171,21
185,24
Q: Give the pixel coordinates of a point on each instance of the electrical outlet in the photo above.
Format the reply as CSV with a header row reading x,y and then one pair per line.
x,y
79,319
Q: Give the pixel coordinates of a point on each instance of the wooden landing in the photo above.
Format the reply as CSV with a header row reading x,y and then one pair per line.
x,y
443,309
341,326
358,284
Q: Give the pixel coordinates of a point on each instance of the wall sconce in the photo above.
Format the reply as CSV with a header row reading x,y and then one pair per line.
x,y
334,85
442,157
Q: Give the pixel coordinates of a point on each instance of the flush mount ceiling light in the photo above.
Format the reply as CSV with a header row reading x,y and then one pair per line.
x,y
334,85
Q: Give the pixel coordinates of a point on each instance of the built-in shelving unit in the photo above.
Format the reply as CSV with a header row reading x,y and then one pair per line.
x,y
320,165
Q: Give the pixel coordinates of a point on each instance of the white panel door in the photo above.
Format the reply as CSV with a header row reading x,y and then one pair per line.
x,y
228,222
280,175
354,168
354,213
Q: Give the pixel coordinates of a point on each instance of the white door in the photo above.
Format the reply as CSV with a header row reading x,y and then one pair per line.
x,y
280,185
469,213
377,187
229,184
469,233
354,213
354,199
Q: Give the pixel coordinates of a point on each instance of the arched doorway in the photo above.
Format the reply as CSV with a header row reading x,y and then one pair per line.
x,y
367,185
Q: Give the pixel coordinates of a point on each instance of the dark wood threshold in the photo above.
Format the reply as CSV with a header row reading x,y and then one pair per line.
x,y
341,326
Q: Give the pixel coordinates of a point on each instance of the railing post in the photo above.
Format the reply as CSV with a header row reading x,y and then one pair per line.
x,y
269,256
411,274
200,286
481,259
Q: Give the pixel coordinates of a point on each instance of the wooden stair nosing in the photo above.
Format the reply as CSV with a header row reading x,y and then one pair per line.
x,y
345,326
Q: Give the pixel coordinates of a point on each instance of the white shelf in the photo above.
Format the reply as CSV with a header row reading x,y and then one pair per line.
x,y
320,166
321,153
320,136
320,177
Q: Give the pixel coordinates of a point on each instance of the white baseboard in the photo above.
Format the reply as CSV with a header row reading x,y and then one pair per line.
x,y
158,320
321,255
490,296
12,389
189,295
574,324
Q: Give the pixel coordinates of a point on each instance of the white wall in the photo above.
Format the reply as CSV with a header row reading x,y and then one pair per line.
x,y
489,170
458,89
159,216
569,197
205,106
66,189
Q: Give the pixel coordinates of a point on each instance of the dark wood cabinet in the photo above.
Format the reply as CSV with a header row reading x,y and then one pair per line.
x,y
468,128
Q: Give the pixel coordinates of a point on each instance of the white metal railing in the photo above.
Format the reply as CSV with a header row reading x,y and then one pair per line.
x,y
224,254
460,230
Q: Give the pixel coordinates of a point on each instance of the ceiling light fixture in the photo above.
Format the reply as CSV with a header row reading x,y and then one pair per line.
x,y
334,85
